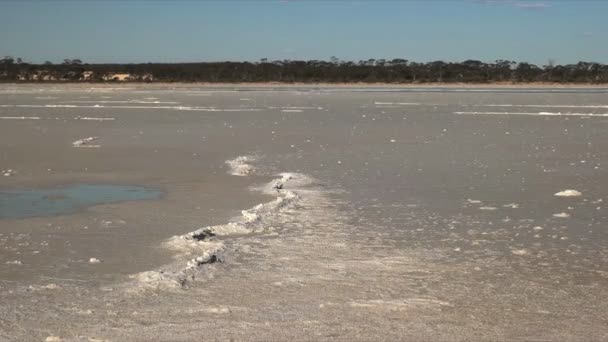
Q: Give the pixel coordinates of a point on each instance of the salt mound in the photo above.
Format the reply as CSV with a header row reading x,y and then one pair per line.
x,y
562,215
568,193
85,142
8,172
173,277
240,167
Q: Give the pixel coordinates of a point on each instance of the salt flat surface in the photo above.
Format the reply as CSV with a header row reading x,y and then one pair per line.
x,y
308,214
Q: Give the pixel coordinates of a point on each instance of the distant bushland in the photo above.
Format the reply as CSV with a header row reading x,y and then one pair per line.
x,y
399,71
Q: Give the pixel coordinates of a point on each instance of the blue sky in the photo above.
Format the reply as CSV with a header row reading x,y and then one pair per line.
x,y
174,31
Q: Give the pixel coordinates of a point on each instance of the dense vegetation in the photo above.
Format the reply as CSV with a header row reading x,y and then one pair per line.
x,y
333,71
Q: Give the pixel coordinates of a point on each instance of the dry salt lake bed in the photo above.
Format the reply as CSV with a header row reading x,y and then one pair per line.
x,y
181,212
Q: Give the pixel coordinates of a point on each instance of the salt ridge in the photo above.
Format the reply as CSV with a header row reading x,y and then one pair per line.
x,y
202,246
85,142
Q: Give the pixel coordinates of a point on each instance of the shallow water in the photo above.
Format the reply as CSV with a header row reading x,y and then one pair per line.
x,y
17,204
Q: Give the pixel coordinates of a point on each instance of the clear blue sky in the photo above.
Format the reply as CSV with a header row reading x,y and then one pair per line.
x,y
172,31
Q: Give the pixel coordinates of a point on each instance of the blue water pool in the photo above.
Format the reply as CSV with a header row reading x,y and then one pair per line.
x,y
15,204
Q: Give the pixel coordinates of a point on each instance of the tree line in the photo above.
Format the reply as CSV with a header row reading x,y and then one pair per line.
x,y
310,71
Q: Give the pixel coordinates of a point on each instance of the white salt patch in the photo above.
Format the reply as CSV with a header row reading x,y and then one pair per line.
x,y
155,279
487,208
128,101
291,110
51,106
85,142
511,205
43,287
533,114
14,262
20,117
188,245
218,310
96,106
8,172
471,201
537,228
108,223
568,193
240,166
88,118
294,107
377,103
94,261
520,252
562,215
53,339
540,106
